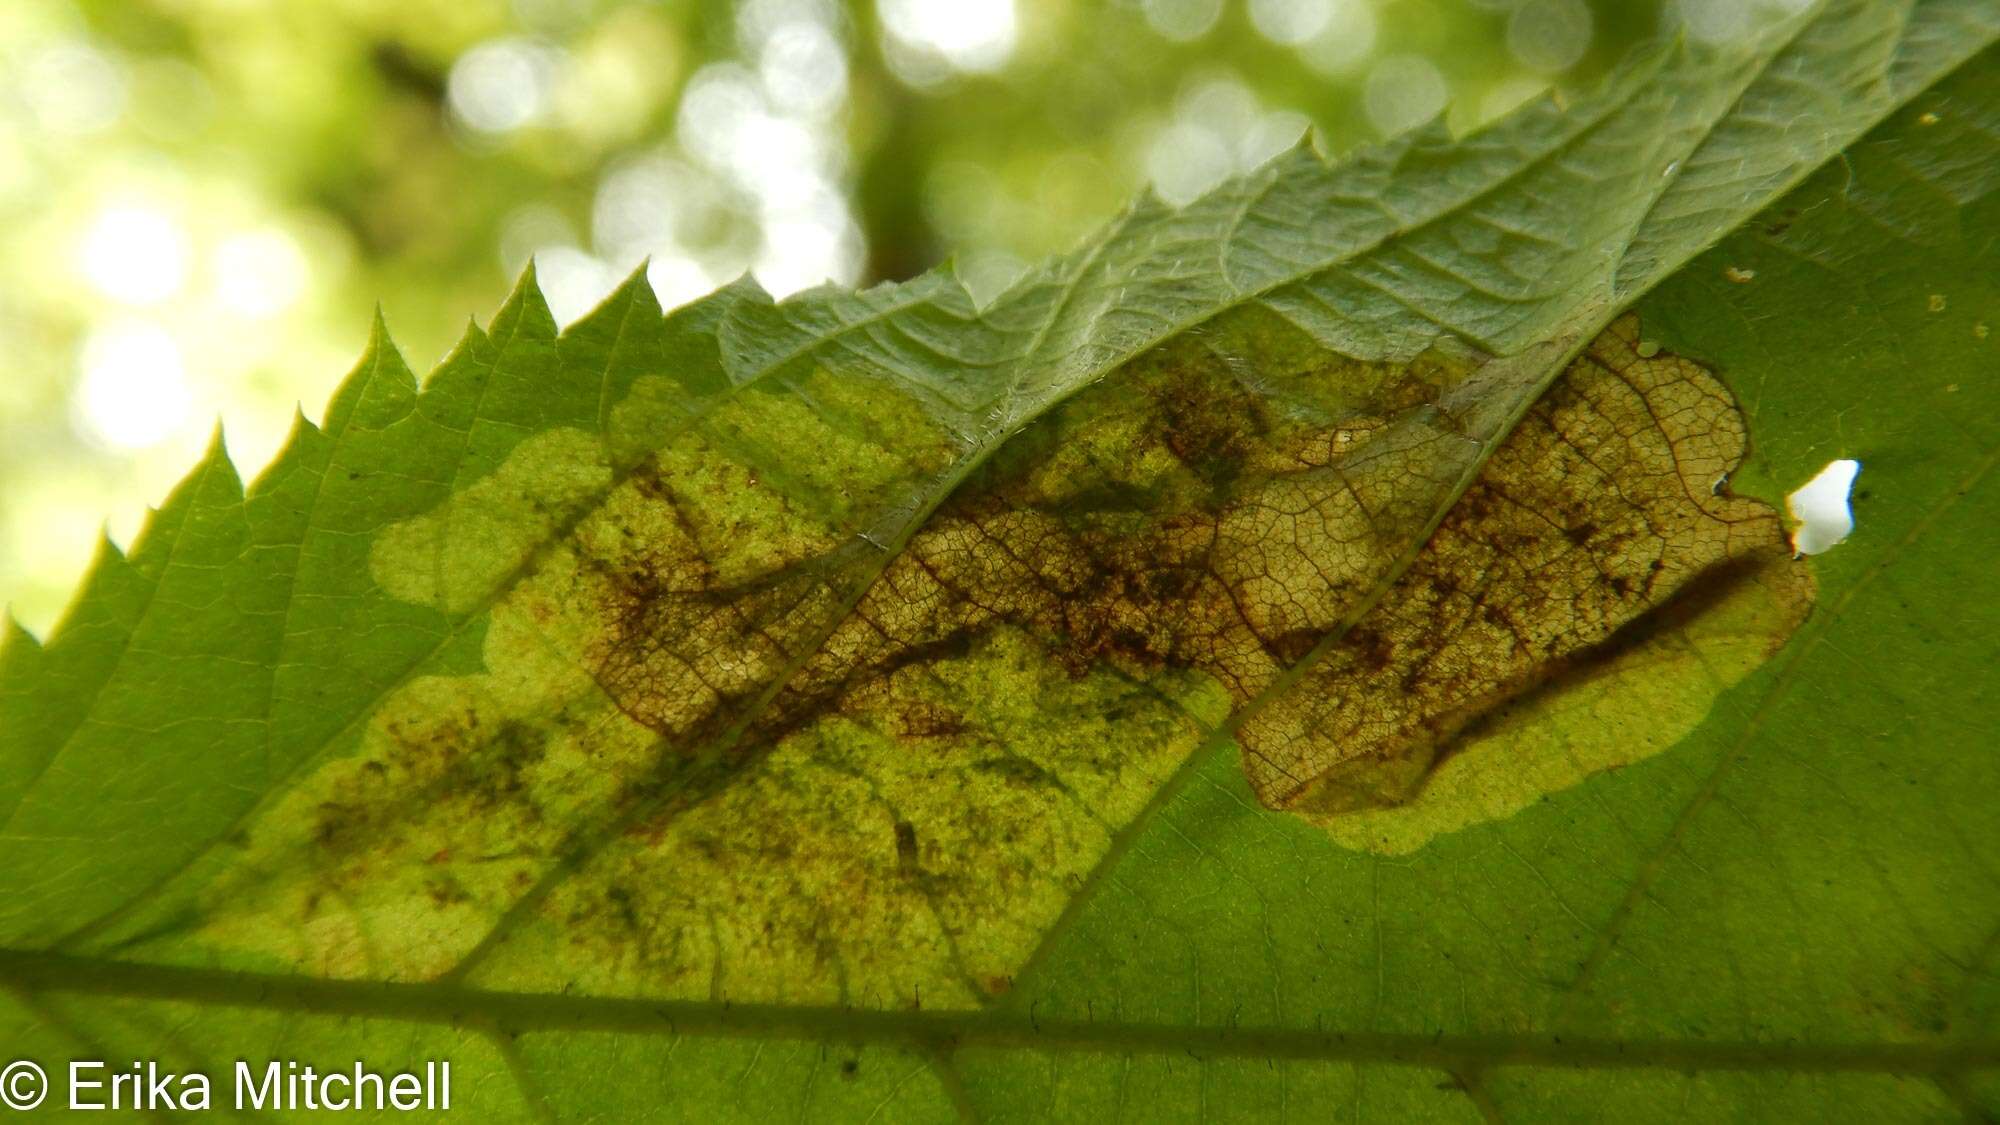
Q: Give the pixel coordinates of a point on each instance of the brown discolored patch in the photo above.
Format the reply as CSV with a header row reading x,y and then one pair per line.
x,y
1636,694
736,735
1234,555
943,757
1602,511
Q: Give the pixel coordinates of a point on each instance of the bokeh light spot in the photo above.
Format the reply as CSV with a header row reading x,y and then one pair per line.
x,y
259,273
73,87
971,35
1183,20
718,104
1290,22
1549,35
572,281
135,253
638,206
677,279
133,392
1403,91
758,20
802,250
1346,40
529,229
1185,160
803,69
503,84
1218,129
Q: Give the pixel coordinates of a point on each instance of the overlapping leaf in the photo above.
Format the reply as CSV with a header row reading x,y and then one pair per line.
x,y
541,682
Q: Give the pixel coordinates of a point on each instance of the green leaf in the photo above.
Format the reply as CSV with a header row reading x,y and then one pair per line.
x,y
768,708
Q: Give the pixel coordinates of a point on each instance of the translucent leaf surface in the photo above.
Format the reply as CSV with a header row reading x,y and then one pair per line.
x,y
831,707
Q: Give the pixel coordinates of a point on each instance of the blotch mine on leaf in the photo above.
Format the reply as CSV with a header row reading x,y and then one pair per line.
x,y
1637,694
732,741
453,558
1599,509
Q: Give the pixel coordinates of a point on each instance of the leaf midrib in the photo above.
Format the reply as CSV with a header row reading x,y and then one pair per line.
x,y
527,1012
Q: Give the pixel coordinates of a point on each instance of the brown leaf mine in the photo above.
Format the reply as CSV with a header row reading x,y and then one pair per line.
x,y
731,735
1599,509
1625,699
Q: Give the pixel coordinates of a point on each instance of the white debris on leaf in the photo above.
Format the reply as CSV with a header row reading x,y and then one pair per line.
x,y
1821,508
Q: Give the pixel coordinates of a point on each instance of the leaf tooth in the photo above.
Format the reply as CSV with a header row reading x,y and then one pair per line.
x,y
590,341
380,375
16,642
636,284
109,567
300,448
471,343
526,311
216,458
746,287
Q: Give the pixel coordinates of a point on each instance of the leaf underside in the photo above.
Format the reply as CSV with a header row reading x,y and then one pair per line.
x,y
863,676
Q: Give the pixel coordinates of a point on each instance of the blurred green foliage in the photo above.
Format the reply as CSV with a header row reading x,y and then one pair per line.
x,y
201,200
